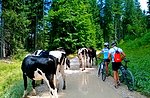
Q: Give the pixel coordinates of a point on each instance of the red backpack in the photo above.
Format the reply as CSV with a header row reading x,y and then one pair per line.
x,y
117,56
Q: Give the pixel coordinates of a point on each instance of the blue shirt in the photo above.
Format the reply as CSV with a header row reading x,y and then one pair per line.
x,y
105,51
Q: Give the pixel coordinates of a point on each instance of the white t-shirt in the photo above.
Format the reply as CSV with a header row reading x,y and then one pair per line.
x,y
113,50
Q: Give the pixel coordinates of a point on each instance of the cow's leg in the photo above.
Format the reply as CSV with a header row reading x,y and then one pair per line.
x,y
33,87
88,62
51,85
91,62
80,60
25,85
63,76
85,62
57,74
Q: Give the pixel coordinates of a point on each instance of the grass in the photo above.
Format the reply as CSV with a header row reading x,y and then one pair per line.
x,y
139,64
11,82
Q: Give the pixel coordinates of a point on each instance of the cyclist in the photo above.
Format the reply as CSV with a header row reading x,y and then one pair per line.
x,y
115,65
105,52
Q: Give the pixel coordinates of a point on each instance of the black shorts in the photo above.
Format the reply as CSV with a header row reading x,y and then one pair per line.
x,y
116,66
106,60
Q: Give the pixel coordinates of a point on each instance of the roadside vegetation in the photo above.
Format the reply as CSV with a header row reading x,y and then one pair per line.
x,y
138,52
11,81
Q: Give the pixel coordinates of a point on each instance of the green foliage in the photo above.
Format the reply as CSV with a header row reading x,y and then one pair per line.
x,y
21,53
15,25
73,24
137,52
134,21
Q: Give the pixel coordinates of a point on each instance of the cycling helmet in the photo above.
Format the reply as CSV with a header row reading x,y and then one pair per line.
x,y
113,43
106,44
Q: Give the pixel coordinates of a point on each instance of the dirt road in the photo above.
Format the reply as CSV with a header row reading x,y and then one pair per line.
x,y
86,84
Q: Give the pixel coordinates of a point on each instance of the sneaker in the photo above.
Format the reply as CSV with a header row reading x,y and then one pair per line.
x,y
107,75
118,83
116,86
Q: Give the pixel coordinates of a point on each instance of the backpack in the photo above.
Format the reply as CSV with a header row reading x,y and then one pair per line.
x,y
117,56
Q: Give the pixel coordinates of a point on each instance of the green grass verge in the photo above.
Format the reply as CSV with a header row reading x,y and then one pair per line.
x,y
11,82
139,64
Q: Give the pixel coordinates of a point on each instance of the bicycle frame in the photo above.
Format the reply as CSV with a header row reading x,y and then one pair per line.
x,y
126,75
102,70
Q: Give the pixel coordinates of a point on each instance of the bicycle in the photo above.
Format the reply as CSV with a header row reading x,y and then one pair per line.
x,y
126,76
102,70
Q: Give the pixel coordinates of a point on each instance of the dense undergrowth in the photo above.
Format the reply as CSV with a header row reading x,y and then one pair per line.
x,y
138,52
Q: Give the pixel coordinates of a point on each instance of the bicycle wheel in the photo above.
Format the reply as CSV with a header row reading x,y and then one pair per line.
x,y
121,72
104,73
99,70
129,80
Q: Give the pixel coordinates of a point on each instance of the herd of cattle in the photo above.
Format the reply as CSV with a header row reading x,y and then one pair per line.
x,y
50,65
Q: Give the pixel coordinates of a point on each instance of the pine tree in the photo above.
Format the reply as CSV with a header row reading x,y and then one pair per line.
x,y
15,25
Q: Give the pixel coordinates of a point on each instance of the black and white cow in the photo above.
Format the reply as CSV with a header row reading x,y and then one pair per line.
x,y
86,57
83,57
92,56
63,61
37,68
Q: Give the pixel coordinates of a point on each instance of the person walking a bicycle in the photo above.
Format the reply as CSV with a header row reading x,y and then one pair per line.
x,y
116,55
105,52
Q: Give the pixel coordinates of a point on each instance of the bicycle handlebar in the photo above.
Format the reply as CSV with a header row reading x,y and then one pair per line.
x,y
126,60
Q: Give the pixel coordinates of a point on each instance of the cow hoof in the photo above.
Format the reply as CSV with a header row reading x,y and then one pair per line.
x,y
57,90
64,87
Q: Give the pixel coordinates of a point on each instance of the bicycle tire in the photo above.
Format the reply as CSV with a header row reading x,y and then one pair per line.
x,y
99,70
121,72
129,80
104,73
121,78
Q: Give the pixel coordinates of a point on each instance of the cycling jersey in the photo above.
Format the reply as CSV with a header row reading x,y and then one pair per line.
x,y
113,50
105,51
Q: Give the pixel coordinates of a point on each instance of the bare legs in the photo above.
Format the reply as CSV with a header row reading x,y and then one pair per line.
x,y
116,78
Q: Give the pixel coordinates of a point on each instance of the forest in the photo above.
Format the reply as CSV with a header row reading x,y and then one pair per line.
x,y
37,24
29,25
